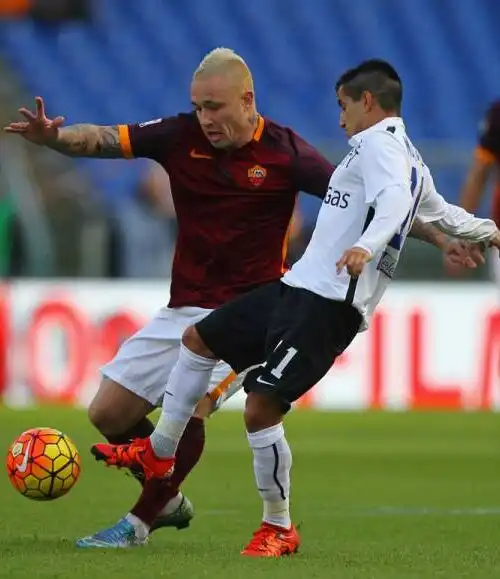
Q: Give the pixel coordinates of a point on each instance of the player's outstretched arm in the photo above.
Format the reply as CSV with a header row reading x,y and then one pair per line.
x,y
81,140
427,233
459,255
451,219
86,140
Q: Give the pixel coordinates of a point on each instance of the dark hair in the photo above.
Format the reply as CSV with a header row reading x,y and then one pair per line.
x,y
377,77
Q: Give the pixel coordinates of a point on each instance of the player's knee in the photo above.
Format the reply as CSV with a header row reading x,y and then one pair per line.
x,y
108,420
114,409
192,340
262,410
102,418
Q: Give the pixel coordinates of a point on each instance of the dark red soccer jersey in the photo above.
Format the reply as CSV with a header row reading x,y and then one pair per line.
x,y
233,207
488,150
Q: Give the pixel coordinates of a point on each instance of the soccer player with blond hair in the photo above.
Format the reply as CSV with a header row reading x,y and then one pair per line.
x,y
310,317
234,178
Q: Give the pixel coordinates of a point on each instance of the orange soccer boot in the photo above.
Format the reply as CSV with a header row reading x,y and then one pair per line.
x,y
138,456
271,541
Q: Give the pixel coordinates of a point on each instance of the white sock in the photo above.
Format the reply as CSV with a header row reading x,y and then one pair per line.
x,y
272,462
141,529
172,505
188,382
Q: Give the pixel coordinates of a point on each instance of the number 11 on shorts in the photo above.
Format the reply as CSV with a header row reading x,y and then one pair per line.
x,y
278,370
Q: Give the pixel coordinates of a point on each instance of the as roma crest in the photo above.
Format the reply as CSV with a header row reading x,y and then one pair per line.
x,y
256,175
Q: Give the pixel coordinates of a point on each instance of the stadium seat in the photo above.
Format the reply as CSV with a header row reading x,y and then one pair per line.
x,y
135,59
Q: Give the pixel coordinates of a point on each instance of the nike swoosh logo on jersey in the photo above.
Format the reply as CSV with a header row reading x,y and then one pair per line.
x,y
261,381
24,465
194,155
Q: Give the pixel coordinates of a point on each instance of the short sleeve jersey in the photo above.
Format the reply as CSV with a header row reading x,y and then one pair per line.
x,y
234,208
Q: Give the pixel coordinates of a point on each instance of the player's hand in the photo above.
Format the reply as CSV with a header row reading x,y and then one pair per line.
x,y
37,128
354,260
462,255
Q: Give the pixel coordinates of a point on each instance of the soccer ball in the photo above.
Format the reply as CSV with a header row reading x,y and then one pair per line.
x,y
43,464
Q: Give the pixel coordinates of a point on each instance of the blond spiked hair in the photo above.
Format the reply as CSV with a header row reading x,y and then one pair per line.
x,y
225,61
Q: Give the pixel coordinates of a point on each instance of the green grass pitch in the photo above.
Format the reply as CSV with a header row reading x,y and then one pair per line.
x,y
379,495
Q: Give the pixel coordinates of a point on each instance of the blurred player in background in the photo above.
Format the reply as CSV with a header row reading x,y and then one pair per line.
x,y
485,163
234,178
301,324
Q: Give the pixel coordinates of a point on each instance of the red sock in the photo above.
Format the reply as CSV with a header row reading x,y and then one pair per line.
x,y
156,493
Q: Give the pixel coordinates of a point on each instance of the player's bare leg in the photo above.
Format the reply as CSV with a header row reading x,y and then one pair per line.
x,y
161,503
164,496
187,384
121,416
173,506
263,416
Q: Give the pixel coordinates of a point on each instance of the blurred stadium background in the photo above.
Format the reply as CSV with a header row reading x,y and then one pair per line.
x,y
86,245
85,250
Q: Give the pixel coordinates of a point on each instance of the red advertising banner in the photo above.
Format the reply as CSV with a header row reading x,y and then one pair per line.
x,y
428,347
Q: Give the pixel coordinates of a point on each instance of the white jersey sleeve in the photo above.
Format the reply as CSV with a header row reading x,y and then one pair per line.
x,y
371,202
451,219
387,187
384,163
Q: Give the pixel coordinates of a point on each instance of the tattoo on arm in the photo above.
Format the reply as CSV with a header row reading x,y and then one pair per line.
x,y
86,140
428,233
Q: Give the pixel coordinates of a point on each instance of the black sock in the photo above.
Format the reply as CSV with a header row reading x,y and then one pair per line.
x,y
142,429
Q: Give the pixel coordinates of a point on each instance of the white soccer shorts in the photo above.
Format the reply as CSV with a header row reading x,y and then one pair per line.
x,y
144,361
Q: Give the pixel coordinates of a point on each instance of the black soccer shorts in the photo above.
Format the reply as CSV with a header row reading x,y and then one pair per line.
x,y
296,335
236,332
306,333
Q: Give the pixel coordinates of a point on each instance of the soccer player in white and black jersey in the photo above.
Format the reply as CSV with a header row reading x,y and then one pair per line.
x,y
292,330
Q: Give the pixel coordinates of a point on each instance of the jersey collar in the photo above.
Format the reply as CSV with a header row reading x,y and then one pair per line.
x,y
380,126
259,129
